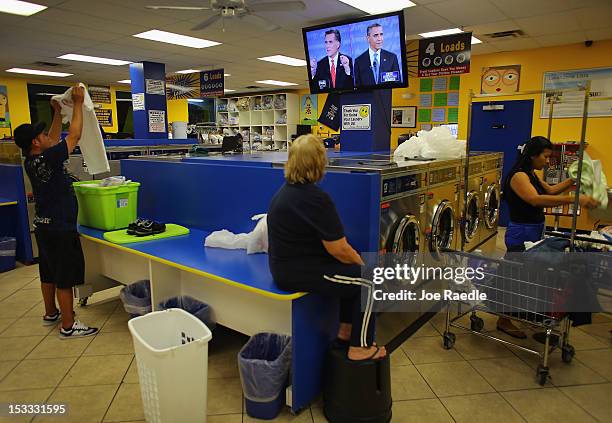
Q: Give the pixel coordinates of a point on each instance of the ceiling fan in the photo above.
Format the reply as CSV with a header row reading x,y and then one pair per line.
x,y
240,9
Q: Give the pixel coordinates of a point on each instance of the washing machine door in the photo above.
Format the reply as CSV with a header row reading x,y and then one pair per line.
x,y
471,216
442,227
407,235
491,206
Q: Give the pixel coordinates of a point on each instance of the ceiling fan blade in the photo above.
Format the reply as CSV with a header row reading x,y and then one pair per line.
x,y
285,6
155,7
207,22
260,22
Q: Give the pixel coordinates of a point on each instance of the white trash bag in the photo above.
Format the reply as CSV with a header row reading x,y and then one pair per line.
x,y
254,242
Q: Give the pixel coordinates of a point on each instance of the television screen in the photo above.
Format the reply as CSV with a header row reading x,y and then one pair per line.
x,y
360,54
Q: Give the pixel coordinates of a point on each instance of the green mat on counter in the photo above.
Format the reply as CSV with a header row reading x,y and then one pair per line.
x,y
121,236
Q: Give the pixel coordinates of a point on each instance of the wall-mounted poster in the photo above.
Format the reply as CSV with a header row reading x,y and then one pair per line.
x,y
105,117
181,86
155,86
157,121
308,109
500,79
404,117
571,104
100,95
5,120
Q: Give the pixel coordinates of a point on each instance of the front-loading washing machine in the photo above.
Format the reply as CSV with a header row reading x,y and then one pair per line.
x,y
470,204
443,179
491,200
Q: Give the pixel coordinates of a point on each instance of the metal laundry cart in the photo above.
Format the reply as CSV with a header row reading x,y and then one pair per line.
x,y
528,292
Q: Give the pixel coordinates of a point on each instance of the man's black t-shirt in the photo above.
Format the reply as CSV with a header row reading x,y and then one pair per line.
x,y
299,218
56,204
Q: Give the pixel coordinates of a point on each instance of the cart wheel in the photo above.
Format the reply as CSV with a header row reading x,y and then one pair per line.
x,y
542,375
83,301
567,353
449,340
476,323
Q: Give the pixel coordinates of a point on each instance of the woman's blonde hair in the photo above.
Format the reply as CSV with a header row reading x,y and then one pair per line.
x,y
307,160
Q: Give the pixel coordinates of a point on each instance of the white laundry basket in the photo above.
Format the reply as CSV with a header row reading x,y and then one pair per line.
x,y
172,355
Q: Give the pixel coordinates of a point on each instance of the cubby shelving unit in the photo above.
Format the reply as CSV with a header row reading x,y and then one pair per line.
x,y
266,120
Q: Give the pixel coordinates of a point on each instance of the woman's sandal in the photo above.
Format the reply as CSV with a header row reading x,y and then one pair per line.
x,y
376,351
515,333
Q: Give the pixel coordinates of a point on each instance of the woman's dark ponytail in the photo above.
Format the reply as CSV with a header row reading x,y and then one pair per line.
x,y
524,163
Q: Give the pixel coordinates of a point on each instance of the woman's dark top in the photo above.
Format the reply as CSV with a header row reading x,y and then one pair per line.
x,y
299,218
520,210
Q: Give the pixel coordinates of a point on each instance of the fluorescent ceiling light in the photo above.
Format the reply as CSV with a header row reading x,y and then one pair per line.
x,y
284,60
227,74
195,100
273,82
441,33
38,72
187,71
227,90
94,59
178,39
450,31
374,7
23,8
125,81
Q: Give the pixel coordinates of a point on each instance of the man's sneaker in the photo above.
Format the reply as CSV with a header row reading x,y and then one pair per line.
x,y
51,320
78,330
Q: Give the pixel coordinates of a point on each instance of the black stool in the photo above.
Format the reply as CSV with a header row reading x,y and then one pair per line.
x,y
356,391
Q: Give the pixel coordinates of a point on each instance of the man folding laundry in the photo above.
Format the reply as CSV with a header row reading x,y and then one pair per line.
x,y
62,265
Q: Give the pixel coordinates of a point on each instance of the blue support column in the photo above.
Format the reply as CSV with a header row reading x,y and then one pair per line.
x,y
139,73
378,137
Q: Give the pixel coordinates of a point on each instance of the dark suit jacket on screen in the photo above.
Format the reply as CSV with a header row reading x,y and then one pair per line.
x,y
343,81
363,67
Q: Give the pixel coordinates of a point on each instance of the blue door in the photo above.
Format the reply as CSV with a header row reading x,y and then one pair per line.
x,y
502,128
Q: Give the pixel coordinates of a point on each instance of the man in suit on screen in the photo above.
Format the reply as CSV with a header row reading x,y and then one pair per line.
x,y
334,71
375,65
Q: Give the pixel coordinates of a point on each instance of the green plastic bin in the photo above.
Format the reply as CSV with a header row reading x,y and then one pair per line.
x,y
107,208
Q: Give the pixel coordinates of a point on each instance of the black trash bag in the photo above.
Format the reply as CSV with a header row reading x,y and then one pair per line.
x,y
190,305
136,298
264,364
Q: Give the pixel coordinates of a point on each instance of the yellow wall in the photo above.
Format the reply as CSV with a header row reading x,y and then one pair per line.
x,y
533,65
178,111
19,106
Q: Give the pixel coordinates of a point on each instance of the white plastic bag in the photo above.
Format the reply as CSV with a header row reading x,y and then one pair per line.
x,y
439,143
410,148
255,241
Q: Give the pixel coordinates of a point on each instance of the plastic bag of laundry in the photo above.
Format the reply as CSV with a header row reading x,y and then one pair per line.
x,y
255,241
411,148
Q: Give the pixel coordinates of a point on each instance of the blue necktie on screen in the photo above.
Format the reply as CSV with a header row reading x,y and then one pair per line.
x,y
375,67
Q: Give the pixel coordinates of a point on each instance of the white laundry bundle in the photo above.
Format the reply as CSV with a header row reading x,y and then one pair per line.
x,y
593,181
91,143
438,143
255,241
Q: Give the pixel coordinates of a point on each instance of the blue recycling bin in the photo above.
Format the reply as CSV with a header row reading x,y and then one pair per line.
x,y
190,305
136,298
264,364
8,246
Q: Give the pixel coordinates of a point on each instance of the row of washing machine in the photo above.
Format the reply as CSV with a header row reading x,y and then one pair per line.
x,y
423,207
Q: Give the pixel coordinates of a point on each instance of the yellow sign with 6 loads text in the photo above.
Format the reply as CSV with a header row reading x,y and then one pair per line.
x,y
356,117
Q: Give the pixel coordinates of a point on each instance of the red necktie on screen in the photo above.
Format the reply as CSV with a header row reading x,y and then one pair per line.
x,y
333,74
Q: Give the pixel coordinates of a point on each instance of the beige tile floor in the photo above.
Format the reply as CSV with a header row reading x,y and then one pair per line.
x,y
477,381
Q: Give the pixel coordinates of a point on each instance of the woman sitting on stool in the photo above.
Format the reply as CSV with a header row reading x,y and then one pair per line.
x,y
308,251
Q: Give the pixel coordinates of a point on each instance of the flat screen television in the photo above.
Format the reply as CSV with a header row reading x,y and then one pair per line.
x,y
358,54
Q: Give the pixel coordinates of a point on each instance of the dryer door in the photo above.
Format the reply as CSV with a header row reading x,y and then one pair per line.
x,y
442,227
407,235
471,216
491,206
